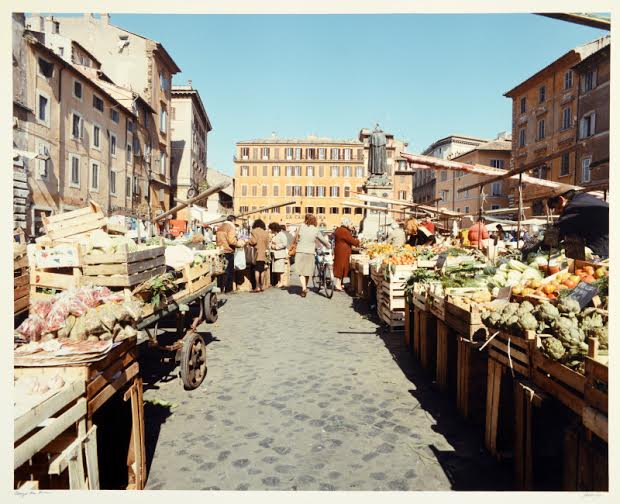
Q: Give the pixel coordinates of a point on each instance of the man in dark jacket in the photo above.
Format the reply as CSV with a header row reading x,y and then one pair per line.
x,y
583,215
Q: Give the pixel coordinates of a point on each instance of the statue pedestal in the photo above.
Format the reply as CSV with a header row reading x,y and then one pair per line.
x,y
375,221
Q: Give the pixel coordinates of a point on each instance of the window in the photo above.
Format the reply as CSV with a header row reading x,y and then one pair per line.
x,y
523,102
75,170
244,190
288,153
43,160
495,207
334,191
113,144
129,156
347,191
297,171
275,171
566,118
497,163
112,182
320,210
335,171
162,163
346,171
359,171
245,152
334,210
162,120
114,115
348,154
589,81
254,190
276,190
522,137
297,152
77,89
129,125
127,187
310,153
587,125
585,170
246,209
322,153
466,209
565,164
402,195
310,171
43,112
254,153
97,103
310,191
265,153
297,210
320,191
96,136
265,171
289,171
541,129
496,189
542,91
309,209
297,190
94,176
568,80
333,154
254,171
264,191
444,175
359,211
347,210
245,171
77,125
46,69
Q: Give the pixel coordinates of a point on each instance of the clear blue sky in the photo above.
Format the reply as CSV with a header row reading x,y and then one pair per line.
x,y
421,76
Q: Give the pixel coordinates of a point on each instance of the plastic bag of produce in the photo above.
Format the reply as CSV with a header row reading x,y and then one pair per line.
x,y
65,331
76,306
178,256
32,328
59,312
240,259
42,307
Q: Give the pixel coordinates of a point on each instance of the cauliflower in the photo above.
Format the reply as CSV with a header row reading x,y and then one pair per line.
x,y
568,305
553,348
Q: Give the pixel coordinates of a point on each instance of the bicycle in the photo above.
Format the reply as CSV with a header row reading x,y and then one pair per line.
x,y
323,276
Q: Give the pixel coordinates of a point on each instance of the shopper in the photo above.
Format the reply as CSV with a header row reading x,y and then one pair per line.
x,y
259,239
305,241
344,242
477,233
411,231
428,225
396,235
279,249
226,239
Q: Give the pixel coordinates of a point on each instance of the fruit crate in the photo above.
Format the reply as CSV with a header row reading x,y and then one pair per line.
x,y
465,319
437,305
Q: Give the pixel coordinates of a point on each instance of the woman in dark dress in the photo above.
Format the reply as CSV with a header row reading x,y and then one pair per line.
x,y
344,242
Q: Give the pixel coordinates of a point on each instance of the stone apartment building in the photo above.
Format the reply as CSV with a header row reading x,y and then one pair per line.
x,y
144,67
318,173
76,131
545,132
190,126
495,153
425,180
592,152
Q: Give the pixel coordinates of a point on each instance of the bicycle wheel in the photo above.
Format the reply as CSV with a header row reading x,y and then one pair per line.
x,y
328,281
316,277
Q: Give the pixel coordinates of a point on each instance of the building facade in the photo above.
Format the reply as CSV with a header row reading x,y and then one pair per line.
x,y
592,152
190,126
425,180
142,66
544,122
77,132
318,173
497,154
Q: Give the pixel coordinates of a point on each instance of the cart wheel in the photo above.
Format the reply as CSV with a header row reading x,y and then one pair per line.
x,y
193,361
210,307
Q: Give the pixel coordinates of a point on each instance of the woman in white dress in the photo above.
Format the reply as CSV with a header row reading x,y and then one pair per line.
x,y
306,239
279,250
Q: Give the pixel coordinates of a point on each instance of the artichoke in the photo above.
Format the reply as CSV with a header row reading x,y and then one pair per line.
x,y
546,312
568,305
553,348
527,322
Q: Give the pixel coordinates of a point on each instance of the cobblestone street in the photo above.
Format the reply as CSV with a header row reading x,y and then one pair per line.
x,y
308,394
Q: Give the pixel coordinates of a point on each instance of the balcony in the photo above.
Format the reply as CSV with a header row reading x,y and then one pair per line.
x,y
567,98
522,119
539,111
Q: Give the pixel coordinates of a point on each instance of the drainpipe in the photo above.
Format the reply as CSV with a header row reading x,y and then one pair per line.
x,y
576,127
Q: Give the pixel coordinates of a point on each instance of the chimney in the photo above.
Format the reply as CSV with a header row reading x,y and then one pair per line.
x,y
189,83
105,19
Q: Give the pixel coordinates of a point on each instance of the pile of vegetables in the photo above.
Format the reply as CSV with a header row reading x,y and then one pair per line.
x,y
513,272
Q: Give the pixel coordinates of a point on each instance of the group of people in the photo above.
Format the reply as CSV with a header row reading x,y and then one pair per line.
x,y
411,232
274,244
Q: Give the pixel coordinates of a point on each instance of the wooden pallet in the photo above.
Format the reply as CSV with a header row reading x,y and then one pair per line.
x,y
471,374
118,371
124,269
420,300
445,375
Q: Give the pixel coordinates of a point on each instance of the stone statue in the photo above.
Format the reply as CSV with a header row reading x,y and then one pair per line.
x,y
377,158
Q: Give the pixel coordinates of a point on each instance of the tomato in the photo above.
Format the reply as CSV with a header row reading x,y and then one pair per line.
x,y
589,279
551,295
589,270
571,284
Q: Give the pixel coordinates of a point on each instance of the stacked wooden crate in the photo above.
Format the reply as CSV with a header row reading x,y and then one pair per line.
x,y
21,279
392,306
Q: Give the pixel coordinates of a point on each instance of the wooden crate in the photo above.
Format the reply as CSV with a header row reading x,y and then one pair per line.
x,y
21,282
471,375
427,341
77,223
437,305
395,319
596,391
394,294
118,371
59,279
124,269
511,351
465,321
409,324
420,300
586,462
363,285
195,277
445,375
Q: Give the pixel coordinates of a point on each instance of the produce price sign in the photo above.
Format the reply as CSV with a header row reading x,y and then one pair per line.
x,y
583,294
504,293
441,260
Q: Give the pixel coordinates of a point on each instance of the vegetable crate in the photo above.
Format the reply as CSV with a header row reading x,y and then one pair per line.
x,y
195,277
409,325
124,269
425,339
362,286
394,293
464,319
471,374
445,375
512,351
21,280
118,371
395,319
70,226
586,462
363,265
596,392
437,305
50,431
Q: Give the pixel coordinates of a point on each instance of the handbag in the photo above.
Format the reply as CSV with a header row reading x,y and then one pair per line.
x,y
250,256
239,259
293,248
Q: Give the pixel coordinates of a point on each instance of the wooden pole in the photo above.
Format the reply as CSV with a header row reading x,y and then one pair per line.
x,y
202,195
258,210
520,205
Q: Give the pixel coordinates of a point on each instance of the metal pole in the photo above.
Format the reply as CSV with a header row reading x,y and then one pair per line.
x,y
520,206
